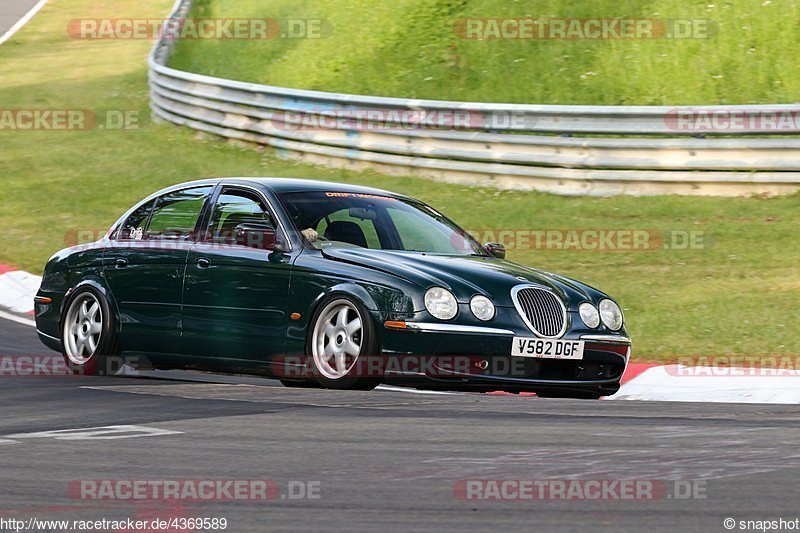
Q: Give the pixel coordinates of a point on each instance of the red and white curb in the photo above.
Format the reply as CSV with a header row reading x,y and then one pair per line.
x,y
641,381
678,383
17,289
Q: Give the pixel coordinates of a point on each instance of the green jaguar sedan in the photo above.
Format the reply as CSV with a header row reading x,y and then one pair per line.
x,y
323,285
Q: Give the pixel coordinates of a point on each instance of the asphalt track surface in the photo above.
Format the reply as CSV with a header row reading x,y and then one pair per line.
x,y
13,10
387,458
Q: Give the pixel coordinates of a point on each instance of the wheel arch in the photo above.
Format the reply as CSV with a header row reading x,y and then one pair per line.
x,y
97,283
381,301
354,290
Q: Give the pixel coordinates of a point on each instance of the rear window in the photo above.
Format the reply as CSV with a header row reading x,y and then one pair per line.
x,y
171,216
175,214
134,227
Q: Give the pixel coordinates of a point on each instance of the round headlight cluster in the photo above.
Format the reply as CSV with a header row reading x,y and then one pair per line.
x,y
441,303
589,314
482,307
611,314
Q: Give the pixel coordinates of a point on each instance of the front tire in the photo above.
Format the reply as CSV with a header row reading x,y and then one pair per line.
x,y
88,333
341,335
566,393
300,384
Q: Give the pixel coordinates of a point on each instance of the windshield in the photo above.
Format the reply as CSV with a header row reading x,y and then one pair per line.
x,y
375,222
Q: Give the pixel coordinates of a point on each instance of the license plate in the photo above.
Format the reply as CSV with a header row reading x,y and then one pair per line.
x,y
546,348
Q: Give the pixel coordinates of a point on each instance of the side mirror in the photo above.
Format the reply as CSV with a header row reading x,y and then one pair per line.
x,y
496,249
259,236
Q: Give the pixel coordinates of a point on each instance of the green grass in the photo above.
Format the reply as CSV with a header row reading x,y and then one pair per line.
x,y
737,296
408,48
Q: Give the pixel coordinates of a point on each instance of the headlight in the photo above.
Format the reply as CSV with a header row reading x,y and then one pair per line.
x,y
441,303
589,314
611,314
482,307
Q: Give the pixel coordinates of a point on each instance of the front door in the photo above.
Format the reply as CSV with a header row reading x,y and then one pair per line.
x,y
236,296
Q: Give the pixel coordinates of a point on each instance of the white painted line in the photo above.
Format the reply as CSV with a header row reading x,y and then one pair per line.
x,y
17,319
390,388
97,433
21,22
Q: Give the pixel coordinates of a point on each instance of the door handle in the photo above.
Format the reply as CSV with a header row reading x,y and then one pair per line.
x,y
120,262
203,263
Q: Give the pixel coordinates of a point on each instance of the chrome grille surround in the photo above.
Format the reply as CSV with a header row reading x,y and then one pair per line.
x,y
542,311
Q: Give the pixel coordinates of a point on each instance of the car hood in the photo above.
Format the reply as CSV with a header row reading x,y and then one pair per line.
x,y
465,276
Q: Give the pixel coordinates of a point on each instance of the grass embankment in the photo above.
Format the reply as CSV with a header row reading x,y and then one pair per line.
x,y
408,48
737,295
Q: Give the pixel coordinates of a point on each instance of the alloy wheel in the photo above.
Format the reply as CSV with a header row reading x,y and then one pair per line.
x,y
83,328
337,339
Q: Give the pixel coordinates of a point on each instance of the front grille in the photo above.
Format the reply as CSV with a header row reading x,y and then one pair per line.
x,y
543,312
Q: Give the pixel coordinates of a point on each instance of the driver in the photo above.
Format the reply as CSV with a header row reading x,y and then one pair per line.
x,y
310,234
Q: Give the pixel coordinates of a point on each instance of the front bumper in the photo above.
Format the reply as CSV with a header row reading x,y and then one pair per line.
x,y
477,358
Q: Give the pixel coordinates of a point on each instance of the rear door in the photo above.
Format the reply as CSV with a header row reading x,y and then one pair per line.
x,y
144,267
236,297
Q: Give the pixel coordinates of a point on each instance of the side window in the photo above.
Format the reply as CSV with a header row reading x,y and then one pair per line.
x,y
133,228
175,214
343,227
235,207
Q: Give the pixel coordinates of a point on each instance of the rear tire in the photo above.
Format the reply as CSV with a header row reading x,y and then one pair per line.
x,y
340,336
89,334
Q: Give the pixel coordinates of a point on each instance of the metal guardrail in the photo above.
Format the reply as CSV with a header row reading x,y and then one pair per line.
x,y
638,161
